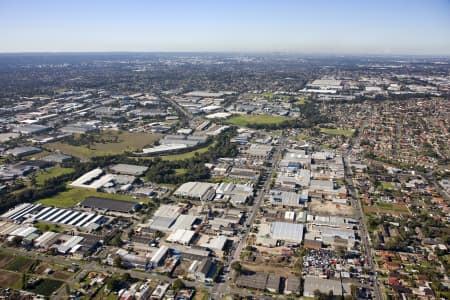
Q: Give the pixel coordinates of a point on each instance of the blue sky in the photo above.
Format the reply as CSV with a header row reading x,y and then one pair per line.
x,y
313,27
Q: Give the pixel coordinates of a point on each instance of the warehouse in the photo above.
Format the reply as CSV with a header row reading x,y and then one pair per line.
x,y
31,129
181,236
110,205
256,281
159,256
70,243
312,284
57,158
287,231
22,151
164,217
285,198
46,240
128,169
197,190
184,222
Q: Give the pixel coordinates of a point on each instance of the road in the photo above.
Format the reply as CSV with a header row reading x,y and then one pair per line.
x,y
363,228
177,106
224,288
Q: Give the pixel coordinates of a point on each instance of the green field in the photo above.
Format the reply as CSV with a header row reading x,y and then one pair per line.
x,y
246,120
47,286
107,143
346,132
52,173
73,196
187,155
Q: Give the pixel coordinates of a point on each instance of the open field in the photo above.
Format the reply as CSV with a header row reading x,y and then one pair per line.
x,y
47,286
107,143
346,132
5,260
10,280
72,196
20,264
246,120
387,208
58,272
187,155
52,173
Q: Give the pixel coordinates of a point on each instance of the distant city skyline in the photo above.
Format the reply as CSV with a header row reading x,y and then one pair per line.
x,y
382,27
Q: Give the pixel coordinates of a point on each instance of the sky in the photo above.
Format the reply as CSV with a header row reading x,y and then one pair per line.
x,y
381,27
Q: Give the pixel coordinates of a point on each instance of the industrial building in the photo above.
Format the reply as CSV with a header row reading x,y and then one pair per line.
x,y
289,232
312,284
105,204
181,236
128,169
22,151
66,217
196,190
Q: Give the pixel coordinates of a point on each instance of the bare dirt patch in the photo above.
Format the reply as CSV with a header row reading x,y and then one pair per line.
x,y
330,208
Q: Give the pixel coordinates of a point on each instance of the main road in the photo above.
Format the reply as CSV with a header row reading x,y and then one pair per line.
x,y
363,228
223,288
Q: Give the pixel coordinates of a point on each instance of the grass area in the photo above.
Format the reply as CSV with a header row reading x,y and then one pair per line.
x,y
346,132
201,295
72,196
187,155
107,143
386,185
43,226
301,100
268,95
246,120
20,264
180,171
47,286
387,208
52,173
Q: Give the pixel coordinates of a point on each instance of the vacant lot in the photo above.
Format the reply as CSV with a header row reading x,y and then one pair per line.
x,y
346,132
327,207
247,120
387,208
10,280
107,143
47,286
5,259
52,173
20,264
73,196
58,272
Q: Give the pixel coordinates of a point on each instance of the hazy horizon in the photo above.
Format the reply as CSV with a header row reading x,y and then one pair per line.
x,y
379,28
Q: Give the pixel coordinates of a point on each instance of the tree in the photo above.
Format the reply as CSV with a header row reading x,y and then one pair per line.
x,y
236,266
117,262
178,284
